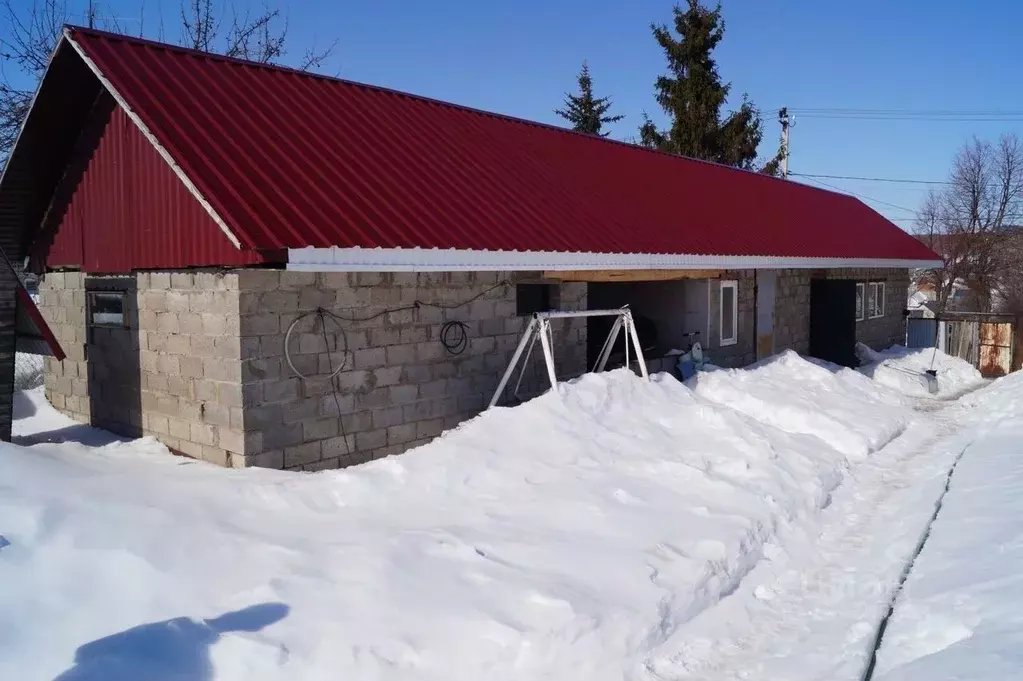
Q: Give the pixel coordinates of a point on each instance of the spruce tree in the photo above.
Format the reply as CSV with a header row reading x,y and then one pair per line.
x,y
692,95
585,112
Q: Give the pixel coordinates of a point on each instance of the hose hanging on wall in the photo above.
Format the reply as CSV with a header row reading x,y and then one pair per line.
x,y
323,315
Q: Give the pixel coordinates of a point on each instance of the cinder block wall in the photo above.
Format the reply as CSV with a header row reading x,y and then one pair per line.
x,y
792,311
62,303
744,351
882,332
174,372
792,307
400,387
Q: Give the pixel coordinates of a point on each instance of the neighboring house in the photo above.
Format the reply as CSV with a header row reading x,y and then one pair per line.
x,y
193,215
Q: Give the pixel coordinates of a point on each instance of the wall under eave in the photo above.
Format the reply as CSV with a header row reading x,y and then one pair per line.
x,y
121,207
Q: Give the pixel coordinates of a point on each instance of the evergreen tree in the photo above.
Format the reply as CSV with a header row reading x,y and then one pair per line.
x,y
692,94
585,112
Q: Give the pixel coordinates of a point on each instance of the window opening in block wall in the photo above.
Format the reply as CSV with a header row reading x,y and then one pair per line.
x,y
860,302
530,298
106,308
729,312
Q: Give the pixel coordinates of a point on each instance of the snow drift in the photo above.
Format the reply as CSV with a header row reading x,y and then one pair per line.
x,y
903,370
565,538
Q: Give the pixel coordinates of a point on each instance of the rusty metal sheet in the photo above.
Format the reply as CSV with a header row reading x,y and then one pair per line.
x,y
995,360
996,334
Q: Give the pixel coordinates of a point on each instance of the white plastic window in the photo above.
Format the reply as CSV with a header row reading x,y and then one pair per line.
x,y
729,312
861,304
876,299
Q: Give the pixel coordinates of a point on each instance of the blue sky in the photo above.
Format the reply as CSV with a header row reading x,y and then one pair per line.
x,y
520,57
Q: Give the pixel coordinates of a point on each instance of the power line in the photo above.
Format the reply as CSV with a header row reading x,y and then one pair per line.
x,y
871,179
863,196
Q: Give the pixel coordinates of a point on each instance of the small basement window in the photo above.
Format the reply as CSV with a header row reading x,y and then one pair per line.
x,y
729,312
876,299
106,308
530,298
861,304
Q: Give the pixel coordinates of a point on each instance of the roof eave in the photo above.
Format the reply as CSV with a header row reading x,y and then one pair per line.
x,y
312,259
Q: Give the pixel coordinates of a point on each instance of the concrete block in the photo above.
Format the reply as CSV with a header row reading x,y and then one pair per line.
x,y
398,355
203,433
387,417
417,373
323,465
301,410
261,324
432,389
232,440
272,459
290,279
217,369
370,358
217,415
338,446
372,439
217,456
168,365
320,429
403,394
182,280
214,324
179,429
178,344
357,422
401,434
429,428
285,389
167,322
299,455
282,436
329,404
190,366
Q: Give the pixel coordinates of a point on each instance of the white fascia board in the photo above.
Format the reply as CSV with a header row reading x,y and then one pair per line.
x,y
449,260
148,134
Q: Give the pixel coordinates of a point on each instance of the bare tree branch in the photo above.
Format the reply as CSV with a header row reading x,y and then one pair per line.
x,y
34,28
970,222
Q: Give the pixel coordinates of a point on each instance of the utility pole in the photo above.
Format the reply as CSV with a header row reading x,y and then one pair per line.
x,y
783,118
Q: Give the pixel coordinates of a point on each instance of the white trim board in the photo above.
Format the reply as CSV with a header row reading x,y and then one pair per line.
x,y
442,260
147,133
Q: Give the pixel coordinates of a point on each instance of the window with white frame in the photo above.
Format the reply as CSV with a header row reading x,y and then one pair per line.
x,y
860,302
875,300
729,312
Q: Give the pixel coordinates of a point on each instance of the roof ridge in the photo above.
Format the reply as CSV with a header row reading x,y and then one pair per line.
x,y
424,98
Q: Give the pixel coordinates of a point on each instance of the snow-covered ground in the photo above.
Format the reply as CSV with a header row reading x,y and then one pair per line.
x,y
903,369
752,522
960,613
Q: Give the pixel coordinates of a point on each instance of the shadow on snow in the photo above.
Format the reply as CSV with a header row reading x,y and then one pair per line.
x,y
172,650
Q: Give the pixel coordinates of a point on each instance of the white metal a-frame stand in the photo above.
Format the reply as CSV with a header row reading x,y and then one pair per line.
x,y
540,327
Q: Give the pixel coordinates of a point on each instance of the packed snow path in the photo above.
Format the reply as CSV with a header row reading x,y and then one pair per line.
x,y
752,525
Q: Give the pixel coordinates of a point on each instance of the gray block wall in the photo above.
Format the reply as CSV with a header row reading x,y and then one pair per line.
x,y
399,387
743,352
174,372
792,305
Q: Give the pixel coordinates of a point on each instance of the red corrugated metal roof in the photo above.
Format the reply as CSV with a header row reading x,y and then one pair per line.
x,y
289,160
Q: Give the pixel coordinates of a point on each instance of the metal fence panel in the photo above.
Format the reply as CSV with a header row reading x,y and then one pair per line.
x,y
921,333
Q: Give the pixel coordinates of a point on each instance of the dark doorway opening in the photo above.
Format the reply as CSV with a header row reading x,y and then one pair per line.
x,y
833,320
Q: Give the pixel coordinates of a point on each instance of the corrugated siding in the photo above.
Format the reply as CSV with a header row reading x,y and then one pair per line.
x,y
128,210
291,160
